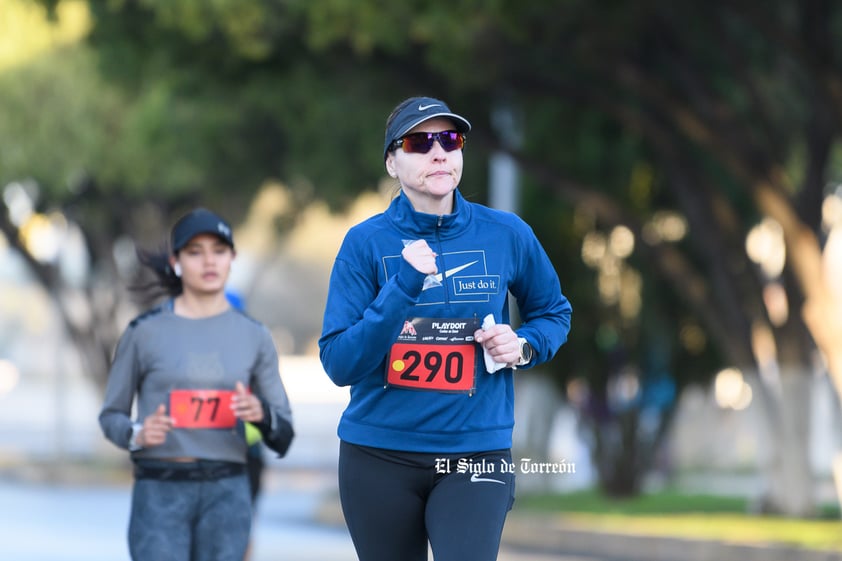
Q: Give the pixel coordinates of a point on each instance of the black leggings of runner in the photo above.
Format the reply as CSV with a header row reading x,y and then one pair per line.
x,y
395,502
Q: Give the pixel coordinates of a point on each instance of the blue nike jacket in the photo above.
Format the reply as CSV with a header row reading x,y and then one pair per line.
x,y
383,326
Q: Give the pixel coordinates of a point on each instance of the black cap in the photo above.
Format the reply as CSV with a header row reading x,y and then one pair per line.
x,y
199,221
420,110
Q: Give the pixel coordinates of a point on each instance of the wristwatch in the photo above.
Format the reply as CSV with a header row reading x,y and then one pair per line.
x,y
526,352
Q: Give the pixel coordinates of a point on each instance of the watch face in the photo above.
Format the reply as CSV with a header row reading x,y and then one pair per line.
x,y
526,352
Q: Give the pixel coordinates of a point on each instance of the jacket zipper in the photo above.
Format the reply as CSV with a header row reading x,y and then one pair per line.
x,y
443,264
473,390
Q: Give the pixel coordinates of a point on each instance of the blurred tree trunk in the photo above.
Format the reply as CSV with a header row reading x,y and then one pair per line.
x,y
75,307
789,487
95,311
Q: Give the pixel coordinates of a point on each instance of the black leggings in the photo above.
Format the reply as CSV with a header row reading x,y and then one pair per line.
x,y
394,502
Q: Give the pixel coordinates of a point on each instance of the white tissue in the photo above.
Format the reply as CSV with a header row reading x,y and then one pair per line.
x,y
490,365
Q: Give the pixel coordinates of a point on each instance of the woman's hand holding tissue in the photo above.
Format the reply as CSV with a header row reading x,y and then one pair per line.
x,y
500,345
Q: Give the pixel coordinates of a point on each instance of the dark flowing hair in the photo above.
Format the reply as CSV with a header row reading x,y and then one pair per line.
x,y
165,283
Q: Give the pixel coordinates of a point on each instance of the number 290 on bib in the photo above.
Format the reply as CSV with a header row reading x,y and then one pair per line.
x,y
443,362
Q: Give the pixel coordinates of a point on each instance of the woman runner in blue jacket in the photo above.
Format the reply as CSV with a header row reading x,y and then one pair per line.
x,y
417,324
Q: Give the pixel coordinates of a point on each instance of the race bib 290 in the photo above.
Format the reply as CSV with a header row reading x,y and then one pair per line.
x,y
434,354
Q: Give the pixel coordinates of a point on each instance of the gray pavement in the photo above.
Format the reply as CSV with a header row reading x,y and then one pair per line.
x,y
65,491
87,522
85,517
41,521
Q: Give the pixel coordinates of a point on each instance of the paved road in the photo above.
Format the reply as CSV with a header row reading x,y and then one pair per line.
x,y
49,522
87,522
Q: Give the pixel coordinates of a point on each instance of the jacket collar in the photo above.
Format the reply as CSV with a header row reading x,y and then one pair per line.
x,y
411,222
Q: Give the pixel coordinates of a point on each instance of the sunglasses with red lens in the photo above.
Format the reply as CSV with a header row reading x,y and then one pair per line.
x,y
422,142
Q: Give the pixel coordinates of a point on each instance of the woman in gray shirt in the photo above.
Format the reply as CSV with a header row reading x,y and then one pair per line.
x,y
195,369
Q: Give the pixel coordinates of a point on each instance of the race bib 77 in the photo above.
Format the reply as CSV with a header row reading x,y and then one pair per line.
x,y
202,409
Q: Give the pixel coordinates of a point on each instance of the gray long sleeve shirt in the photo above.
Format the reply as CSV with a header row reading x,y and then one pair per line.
x,y
160,352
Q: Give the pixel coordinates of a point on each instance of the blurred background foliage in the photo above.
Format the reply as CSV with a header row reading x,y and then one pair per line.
x,y
651,139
